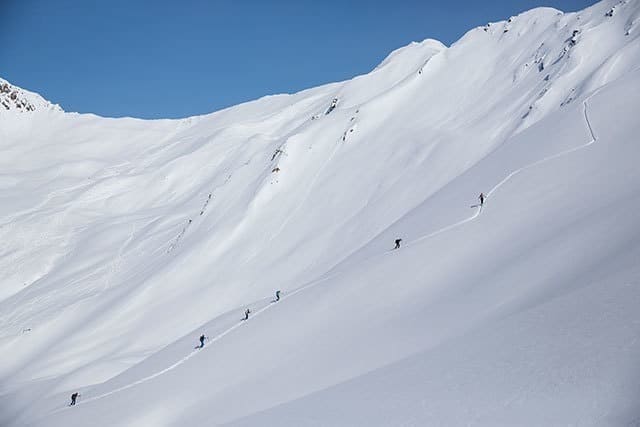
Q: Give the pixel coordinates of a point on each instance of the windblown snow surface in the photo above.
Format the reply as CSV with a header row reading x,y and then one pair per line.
x,y
123,240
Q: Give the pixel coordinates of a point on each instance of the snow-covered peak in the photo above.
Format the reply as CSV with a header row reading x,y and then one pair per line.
x,y
14,98
421,50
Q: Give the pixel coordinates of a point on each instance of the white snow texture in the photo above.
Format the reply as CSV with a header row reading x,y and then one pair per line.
x,y
124,240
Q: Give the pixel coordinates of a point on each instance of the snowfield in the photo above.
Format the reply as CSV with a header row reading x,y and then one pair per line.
x,y
124,240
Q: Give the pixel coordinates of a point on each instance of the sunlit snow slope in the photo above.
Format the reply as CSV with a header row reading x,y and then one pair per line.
x,y
123,240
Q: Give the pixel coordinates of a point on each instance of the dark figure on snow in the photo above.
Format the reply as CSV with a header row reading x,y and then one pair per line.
x,y
246,314
202,338
74,396
398,243
277,295
481,197
334,102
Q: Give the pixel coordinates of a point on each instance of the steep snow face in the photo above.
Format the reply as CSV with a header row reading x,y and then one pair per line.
x,y
13,98
124,240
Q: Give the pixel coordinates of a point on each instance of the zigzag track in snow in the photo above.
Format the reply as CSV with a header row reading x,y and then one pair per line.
x,y
517,171
320,280
554,156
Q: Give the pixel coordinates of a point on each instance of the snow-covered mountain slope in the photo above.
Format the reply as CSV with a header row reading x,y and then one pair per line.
x,y
124,240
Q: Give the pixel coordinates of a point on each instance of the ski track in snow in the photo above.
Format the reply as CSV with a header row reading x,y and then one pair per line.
x,y
195,352
517,171
320,280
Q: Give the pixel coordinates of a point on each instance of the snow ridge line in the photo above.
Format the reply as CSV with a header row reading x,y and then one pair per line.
x,y
313,283
517,171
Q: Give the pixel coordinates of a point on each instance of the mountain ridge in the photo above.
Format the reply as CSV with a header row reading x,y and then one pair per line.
x,y
126,239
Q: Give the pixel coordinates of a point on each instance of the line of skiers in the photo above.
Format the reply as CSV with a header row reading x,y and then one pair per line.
x,y
481,197
203,337
247,312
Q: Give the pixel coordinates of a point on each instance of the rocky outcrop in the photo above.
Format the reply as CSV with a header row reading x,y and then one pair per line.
x,y
13,98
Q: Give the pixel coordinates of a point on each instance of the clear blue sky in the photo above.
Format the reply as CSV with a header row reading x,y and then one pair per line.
x,y
161,58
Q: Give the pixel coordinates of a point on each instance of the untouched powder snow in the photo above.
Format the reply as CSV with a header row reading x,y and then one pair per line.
x,y
124,240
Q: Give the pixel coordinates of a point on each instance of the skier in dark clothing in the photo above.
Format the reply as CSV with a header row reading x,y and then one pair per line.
x,y
202,338
334,102
277,295
481,197
398,243
74,396
246,314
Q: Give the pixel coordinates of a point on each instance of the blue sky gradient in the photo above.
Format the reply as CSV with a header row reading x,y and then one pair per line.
x,y
170,59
